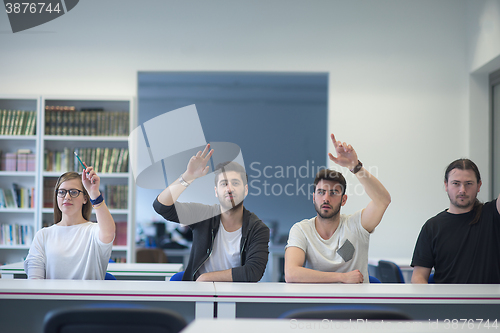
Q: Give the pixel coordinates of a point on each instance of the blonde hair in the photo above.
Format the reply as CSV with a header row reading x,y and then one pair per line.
x,y
86,208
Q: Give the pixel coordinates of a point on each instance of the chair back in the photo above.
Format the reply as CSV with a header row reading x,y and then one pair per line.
x,y
344,312
113,320
177,276
151,255
109,276
389,272
373,279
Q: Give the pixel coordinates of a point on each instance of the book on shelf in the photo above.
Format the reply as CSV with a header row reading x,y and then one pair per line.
x,y
66,120
22,162
17,122
16,192
16,234
116,196
17,197
119,163
3,204
120,233
9,198
22,159
10,161
49,185
113,160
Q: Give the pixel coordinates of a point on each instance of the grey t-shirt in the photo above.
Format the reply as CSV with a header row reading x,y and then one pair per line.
x,y
345,251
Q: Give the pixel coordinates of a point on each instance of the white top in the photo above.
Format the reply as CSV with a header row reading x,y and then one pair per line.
x,y
68,252
225,252
345,251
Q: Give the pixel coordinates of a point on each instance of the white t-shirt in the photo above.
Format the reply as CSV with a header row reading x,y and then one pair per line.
x,y
68,252
225,252
345,251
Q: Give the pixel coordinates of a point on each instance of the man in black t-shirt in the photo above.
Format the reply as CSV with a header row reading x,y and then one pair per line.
x,y
462,243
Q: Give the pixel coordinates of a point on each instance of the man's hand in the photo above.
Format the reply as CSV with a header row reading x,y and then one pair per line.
x,y
197,166
203,278
217,276
346,155
354,276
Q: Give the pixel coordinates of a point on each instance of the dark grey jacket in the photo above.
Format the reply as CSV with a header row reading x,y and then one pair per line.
x,y
254,247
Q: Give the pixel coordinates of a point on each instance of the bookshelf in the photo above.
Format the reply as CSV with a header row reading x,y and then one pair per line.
x,y
19,146
103,128
97,129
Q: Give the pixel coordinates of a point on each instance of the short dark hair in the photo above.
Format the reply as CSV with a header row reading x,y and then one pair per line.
x,y
466,164
86,208
230,166
332,175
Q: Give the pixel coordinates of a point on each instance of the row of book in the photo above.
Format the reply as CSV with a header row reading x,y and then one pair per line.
x,y
17,197
103,160
120,233
16,234
22,160
116,196
89,123
120,260
17,122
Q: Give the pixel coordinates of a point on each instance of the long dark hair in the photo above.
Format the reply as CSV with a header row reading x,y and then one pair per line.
x,y
466,164
86,208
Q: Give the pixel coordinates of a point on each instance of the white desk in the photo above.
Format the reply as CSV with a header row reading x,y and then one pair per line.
x,y
270,300
284,325
118,270
24,303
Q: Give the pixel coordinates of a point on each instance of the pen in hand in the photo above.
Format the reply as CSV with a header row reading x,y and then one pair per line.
x,y
83,164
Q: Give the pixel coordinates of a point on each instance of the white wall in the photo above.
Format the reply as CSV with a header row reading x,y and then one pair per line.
x,y
398,75
483,22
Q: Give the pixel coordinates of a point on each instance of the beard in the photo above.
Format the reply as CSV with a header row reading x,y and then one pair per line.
x,y
334,212
465,204
228,205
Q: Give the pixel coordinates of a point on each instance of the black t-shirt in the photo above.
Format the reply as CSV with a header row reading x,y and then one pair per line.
x,y
459,252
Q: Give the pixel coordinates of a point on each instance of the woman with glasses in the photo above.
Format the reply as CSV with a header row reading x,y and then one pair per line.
x,y
74,248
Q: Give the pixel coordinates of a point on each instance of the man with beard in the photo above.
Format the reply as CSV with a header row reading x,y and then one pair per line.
x,y
461,242
229,242
333,247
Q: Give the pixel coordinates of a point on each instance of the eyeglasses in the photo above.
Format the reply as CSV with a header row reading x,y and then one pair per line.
x,y
61,193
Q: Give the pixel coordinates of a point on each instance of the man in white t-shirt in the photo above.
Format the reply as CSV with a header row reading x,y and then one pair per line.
x,y
333,247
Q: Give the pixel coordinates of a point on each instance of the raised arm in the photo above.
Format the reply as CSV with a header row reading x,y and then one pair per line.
x,y
295,272
197,167
372,214
91,182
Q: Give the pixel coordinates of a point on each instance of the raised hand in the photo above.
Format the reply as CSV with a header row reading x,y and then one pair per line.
x,y
91,182
346,155
197,165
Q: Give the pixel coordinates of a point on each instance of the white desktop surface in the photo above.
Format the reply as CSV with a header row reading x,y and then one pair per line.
x,y
286,325
117,269
357,293
268,300
114,290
